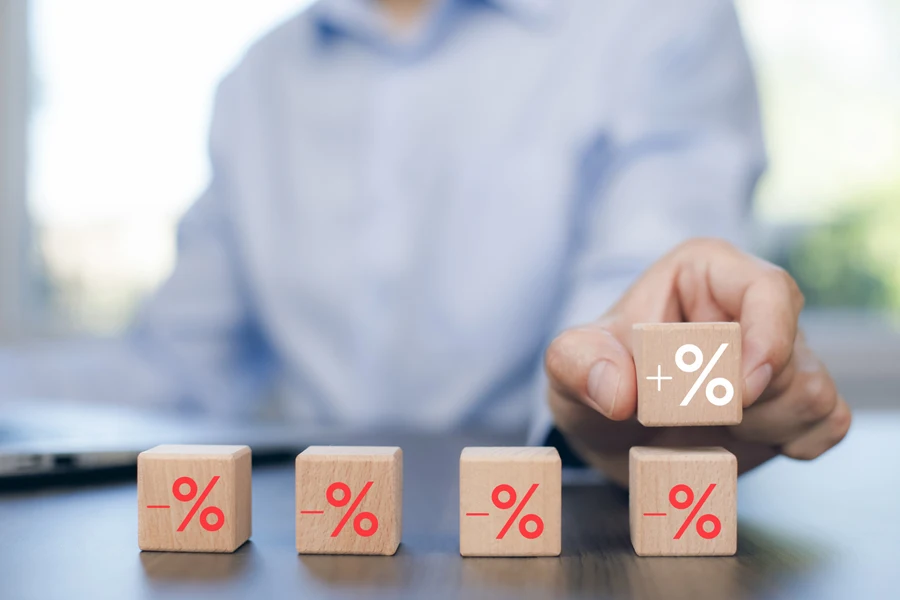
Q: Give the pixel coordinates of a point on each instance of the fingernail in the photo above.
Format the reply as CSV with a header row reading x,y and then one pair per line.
x,y
758,381
603,386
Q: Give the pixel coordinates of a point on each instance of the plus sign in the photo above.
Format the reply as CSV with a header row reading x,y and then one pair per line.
x,y
659,377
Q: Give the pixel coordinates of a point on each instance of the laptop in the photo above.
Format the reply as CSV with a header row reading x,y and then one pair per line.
x,y
53,437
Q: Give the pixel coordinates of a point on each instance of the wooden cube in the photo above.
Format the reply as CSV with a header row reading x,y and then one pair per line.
x,y
510,502
194,498
688,373
683,502
349,500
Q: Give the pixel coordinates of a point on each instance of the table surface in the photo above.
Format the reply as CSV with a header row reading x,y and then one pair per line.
x,y
825,529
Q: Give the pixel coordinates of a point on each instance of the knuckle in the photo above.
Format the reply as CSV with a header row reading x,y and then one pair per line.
x,y
794,291
835,426
780,278
818,398
704,245
781,350
802,451
839,421
799,298
775,276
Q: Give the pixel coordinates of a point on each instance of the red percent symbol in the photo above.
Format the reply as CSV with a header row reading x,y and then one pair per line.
x,y
508,502
713,520
189,495
338,495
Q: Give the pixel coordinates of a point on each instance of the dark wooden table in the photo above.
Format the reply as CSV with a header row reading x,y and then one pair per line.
x,y
826,529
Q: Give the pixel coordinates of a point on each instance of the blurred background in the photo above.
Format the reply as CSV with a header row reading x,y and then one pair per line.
x,y
102,150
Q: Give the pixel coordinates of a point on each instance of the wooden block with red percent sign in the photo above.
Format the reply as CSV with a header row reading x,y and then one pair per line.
x,y
683,501
194,498
510,502
349,500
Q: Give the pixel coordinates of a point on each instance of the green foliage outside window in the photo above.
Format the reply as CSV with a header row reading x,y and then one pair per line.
x,y
854,260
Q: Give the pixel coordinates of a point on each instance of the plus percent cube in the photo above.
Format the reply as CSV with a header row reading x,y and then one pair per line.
x,y
510,502
349,500
688,373
194,498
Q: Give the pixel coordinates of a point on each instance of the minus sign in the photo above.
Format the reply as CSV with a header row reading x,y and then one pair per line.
x,y
478,514
654,514
158,506
312,512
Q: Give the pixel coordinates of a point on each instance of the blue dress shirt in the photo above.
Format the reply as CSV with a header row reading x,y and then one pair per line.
x,y
398,223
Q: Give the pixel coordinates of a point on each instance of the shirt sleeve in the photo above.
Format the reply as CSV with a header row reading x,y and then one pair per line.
x,y
680,159
194,344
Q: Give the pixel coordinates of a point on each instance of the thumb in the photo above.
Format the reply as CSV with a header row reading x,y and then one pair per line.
x,y
592,364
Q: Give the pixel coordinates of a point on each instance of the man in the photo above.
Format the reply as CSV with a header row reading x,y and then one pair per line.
x,y
411,199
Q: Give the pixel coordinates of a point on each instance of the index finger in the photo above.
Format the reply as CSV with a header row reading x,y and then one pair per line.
x,y
761,296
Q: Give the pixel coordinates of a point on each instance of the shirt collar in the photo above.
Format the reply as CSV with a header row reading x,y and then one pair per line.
x,y
362,17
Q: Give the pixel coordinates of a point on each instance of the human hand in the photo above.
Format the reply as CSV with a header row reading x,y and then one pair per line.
x,y
791,404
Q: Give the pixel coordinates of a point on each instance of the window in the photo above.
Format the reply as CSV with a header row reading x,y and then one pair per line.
x,y
829,81
121,106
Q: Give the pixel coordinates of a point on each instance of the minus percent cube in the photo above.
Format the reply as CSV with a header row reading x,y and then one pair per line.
x,y
194,498
688,373
349,500
510,502
683,501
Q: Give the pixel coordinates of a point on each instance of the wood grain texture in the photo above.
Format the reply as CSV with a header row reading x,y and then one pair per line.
x,y
494,482
819,530
668,486
161,513
370,526
659,400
